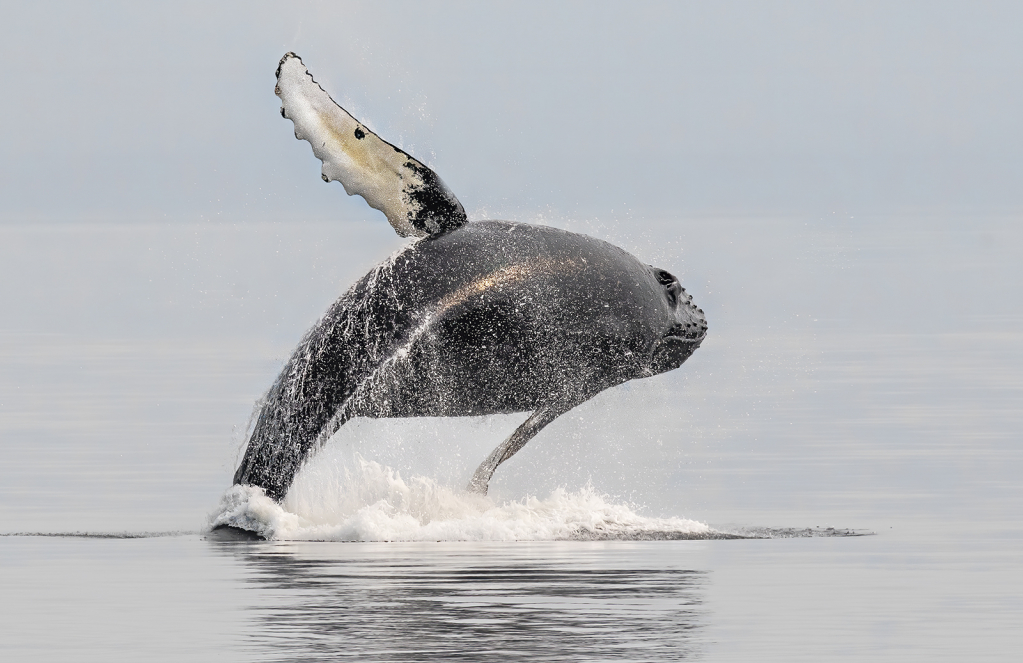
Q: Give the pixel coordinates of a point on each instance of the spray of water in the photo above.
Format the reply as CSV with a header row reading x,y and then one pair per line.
x,y
366,501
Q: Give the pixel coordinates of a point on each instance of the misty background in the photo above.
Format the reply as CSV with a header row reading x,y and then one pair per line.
x,y
126,111
837,184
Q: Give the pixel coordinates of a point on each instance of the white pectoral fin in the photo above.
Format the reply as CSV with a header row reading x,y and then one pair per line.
x,y
415,201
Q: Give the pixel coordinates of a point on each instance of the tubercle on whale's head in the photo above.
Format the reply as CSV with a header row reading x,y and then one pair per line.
x,y
686,326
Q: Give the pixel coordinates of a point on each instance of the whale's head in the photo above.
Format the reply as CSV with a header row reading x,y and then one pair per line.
x,y
685,325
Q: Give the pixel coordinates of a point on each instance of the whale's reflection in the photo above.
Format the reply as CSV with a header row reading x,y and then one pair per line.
x,y
472,602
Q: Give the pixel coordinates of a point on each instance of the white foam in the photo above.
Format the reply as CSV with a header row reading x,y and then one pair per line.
x,y
371,502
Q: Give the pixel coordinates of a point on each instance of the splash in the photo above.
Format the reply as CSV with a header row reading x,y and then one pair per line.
x,y
369,501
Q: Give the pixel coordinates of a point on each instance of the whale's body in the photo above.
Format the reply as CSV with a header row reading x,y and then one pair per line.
x,y
474,318
495,317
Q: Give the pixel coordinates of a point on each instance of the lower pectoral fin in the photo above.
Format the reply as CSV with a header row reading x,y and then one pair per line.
x,y
523,434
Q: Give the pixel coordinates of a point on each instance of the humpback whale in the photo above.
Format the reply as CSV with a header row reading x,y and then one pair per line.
x,y
471,318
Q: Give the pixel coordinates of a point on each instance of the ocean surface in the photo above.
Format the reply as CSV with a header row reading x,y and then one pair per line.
x,y
834,475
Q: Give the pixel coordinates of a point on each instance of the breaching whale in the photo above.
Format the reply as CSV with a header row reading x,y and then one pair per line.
x,y
473,318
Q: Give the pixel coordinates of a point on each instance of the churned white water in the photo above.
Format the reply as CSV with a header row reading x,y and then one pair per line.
x,y
368,501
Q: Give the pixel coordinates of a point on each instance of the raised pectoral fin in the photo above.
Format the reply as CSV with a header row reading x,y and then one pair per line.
x,y
415,201
524,433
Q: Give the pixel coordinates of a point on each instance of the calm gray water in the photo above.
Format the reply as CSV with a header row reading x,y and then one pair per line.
x,y
859,373
897,596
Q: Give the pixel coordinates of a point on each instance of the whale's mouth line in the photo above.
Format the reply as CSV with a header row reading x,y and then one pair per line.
x,y
692,332
683,339
695,337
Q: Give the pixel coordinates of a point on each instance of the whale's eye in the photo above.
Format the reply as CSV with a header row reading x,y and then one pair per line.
x,y
664,278
670,283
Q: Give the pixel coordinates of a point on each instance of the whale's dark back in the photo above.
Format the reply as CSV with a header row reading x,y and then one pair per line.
x,y
494,317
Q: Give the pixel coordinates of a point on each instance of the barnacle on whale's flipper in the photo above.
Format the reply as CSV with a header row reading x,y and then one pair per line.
x,y
415,201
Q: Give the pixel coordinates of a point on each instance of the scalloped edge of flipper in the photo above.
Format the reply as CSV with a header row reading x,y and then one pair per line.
x,y
412,197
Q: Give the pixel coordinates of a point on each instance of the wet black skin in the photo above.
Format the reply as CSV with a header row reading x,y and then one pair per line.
x,y
493,317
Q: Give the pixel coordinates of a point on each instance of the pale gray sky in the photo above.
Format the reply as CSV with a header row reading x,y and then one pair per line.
x,y
126,110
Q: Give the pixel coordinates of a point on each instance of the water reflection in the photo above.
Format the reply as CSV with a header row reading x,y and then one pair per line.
x,y
473,602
